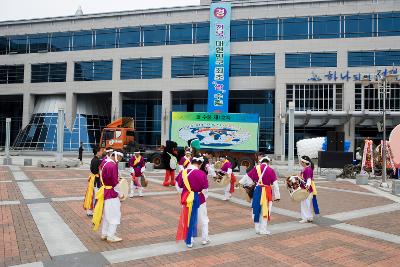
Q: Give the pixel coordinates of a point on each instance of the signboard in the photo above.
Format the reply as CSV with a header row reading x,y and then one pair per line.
x,y
346,76
219,57
230,131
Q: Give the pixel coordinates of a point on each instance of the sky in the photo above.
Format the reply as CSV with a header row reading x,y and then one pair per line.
x,y
28,9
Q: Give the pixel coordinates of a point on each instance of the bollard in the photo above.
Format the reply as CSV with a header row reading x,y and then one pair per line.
x,y
331,177
149,167
27,162
362,179
242,170
396,187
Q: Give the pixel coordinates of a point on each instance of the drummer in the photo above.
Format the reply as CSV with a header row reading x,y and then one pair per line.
x,y
110,215
266,190
308,177
137,166
226,169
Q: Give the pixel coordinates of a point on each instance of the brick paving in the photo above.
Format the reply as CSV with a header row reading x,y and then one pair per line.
x,y
153,219
9,191
20,240
312,247
386,222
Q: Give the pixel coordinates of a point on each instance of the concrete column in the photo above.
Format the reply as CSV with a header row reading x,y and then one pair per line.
x,y
70,109
280,107
166,107
116,71
291,137
348,105
27,73
70,71
116,105
27,108
166,68
60,135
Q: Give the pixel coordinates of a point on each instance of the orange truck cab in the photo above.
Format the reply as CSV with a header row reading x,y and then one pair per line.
x,y
119,134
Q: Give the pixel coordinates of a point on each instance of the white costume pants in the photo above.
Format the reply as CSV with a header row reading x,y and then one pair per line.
x,y
227,189
305,208
111,217
203,220
261,226
134,187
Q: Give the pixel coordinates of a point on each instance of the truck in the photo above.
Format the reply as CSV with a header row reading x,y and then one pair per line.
x,y
120,134
231,135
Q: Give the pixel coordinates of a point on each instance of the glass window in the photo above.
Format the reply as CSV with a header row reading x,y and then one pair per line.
x,y
38,43
202,32
359,25
11,74
323,59
387,58
389,24
265,29
326,27
262,65
60,41
58,72
297,60
239,31
83,71
293,28
240,65
129,37
102,70
106,38
18,44
361,58
3,45
39,73
82,40
189,67
141,68
154,35
180,34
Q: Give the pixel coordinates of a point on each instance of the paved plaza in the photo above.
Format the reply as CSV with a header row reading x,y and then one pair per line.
x,y
43,224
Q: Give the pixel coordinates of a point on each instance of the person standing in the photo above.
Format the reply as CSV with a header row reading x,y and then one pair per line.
x,y
80,153
108,206
307,174
170,163
185,160
192,183
93,182
137,167
266,190
226,169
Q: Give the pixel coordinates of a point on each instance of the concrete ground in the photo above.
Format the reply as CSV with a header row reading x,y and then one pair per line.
x,y
42,223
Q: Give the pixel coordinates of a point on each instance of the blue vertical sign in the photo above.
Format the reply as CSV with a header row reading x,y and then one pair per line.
x,y
219,57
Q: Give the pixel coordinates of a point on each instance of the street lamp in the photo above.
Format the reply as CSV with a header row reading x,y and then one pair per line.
x,y
382,83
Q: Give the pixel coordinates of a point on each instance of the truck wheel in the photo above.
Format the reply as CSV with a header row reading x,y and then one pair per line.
x,y
157,161
247,162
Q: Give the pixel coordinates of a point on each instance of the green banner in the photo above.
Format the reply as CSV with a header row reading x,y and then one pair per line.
x,y
229,131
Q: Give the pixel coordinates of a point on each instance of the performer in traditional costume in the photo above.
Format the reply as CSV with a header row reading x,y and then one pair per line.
x,y
137,168
108,206
185,160
206,166
193,185
226,169
170,163
93,183
266,190
308,177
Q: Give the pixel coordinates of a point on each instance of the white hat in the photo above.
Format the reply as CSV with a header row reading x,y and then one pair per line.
x,y
265,157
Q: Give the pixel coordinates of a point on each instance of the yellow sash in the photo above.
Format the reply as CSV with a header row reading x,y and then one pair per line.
x,y
186,162
87,203
137,160
98,209
314,189
263,200
190,197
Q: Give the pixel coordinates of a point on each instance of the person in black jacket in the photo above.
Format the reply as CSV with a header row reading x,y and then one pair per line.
x,y
170,162
80,153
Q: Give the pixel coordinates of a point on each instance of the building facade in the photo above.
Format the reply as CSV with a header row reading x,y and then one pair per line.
x,y
145,64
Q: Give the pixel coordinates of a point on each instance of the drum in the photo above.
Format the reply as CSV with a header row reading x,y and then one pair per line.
x,y
247,191
123,188
222,179
296,192
143,181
